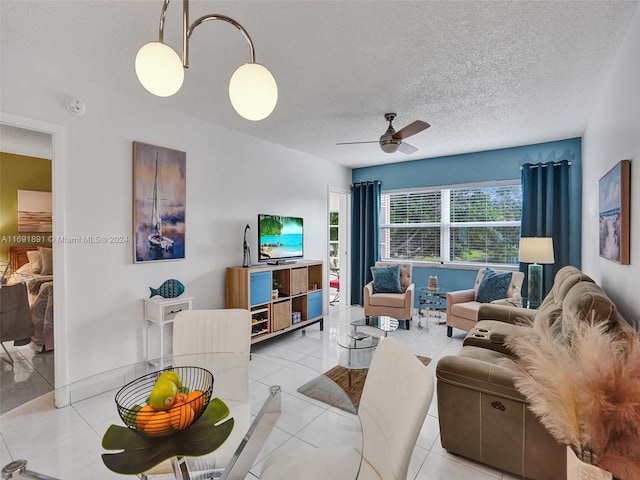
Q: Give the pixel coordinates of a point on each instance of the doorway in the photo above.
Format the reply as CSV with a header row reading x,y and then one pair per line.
x,y
339,220
25,134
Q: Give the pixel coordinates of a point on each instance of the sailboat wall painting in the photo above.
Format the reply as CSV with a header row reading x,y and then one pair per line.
x,y
159,203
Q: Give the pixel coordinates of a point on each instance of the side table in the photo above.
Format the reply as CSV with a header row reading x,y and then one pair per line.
x,y
433,302
158,315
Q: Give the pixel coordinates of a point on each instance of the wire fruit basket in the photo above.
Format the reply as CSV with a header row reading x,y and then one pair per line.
x,y
165,402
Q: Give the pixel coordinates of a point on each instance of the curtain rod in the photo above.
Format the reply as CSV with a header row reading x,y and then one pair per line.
x,y
367,182
544,165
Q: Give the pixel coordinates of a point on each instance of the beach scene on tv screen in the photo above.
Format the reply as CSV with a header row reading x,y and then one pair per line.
x,y
280,237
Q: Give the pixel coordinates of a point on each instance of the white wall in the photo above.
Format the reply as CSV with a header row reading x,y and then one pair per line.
x,y
613,134
25,142
230,179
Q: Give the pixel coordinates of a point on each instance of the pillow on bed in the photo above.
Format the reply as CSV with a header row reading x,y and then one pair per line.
x,y
35,259
26,269
20,274
47,260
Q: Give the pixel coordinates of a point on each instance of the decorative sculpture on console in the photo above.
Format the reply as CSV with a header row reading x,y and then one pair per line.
x,y
245,246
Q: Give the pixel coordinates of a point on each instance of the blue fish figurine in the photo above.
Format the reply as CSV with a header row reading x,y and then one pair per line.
x,y
170,289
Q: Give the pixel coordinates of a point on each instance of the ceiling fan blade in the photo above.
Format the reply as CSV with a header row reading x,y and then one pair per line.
x,y
411,129
356,143
406,148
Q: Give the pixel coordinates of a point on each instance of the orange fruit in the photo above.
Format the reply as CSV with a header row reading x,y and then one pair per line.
x,y
196,400
179,398
143,416
158,424
181,416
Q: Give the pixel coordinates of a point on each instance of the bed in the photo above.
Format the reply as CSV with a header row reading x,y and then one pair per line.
x,y
33,265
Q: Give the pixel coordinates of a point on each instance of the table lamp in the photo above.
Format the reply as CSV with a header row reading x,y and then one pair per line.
x,y
535,251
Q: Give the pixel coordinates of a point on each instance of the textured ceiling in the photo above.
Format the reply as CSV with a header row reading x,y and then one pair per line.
x,y
484,74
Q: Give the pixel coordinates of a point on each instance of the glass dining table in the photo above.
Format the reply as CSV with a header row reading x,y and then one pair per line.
x,y
262,416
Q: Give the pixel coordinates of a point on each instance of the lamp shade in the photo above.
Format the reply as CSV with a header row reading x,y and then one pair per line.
x,y
159,69
536,250
253,91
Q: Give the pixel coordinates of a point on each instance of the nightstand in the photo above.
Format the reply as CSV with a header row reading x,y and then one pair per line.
x,y
158,315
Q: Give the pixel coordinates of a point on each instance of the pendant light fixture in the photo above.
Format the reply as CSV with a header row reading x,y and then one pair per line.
x,y
252,89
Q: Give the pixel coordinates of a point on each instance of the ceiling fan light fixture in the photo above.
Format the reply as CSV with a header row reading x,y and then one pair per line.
x,y
392,141
159,69
253,91
389,146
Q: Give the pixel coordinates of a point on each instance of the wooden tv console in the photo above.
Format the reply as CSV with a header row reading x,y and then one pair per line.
x,y
297,304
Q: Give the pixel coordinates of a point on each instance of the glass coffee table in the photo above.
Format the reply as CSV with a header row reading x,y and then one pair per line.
x,y
358,343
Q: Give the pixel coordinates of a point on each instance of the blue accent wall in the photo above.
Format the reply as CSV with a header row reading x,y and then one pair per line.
x,y
492,165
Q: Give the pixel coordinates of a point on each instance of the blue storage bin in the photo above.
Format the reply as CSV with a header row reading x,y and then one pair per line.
x,y
314,305
260,287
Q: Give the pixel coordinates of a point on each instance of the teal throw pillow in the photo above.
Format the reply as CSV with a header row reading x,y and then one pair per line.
x,y
386,279
493,286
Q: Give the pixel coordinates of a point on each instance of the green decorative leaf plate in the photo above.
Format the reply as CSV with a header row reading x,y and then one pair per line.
x,y
140,453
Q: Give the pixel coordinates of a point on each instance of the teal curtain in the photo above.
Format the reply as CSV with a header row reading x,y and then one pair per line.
x,y
545,212
365,245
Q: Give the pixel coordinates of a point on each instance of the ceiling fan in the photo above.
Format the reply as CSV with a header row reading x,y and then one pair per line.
x,y
392,141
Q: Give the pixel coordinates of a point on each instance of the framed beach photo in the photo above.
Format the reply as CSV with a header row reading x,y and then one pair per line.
x,y
614,204
159,203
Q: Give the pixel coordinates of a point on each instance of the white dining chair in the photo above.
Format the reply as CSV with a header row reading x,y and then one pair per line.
x,y
207,331
217,331
394,404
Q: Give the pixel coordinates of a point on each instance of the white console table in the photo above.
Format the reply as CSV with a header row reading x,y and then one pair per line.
x,y
159,314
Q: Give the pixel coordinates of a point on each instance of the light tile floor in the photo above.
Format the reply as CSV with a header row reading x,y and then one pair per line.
x,y
45,436
30,376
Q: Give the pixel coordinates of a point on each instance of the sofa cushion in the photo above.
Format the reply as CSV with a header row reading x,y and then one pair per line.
x,y
564,280
394,300
552,308
468,310
386,279
587,302
479,369
493,286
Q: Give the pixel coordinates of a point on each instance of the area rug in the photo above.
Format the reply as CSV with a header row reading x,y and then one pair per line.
x,y
331,387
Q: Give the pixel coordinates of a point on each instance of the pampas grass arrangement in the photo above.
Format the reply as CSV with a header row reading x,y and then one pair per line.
x,y
585,389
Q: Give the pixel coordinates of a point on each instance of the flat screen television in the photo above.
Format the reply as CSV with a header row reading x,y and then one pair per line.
x,y
280,239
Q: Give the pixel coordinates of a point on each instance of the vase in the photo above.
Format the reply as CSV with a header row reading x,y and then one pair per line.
x,y
579,470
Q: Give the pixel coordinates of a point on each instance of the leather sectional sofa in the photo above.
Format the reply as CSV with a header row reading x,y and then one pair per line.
x,y
482,415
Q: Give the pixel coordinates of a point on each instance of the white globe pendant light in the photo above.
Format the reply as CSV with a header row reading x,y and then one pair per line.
x,y
253,91
159,69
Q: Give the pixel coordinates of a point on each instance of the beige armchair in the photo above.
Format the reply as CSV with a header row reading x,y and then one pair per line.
x,y
463,308
396,305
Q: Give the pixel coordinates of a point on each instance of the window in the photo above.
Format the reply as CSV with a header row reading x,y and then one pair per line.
x,y
478,224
